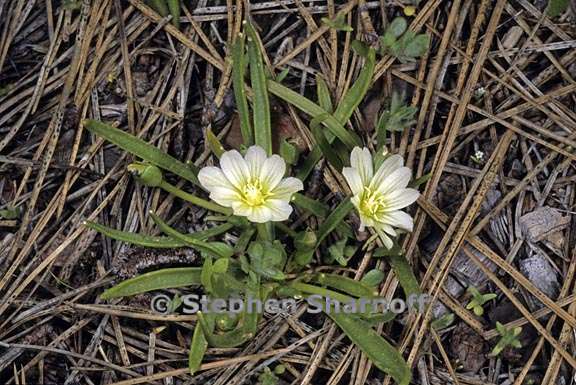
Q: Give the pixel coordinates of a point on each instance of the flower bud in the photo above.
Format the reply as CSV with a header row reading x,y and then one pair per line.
x,y
305,240
147,174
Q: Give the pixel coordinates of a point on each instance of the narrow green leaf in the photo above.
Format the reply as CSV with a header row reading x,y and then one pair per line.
x,y
216,249
238,72
142,149
557,7
261,104
383,355
322,142
174,8
159,6
334,219
153,241
155,280
214,144
197,349
346,285
401,268
373,278
324,98
349,138
356,93
311,205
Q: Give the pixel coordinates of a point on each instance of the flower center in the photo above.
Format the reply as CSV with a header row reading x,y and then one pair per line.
x,y
253,194
372,203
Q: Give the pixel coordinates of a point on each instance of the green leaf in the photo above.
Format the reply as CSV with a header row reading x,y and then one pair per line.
x,y
443,322
557,7
362,49
221,265
337,252
10,213
417,46
373,278
159,6
289,152
347,137
238,71
346,285
153,241
322,142
174,8
338,23
334,219
397,27
267,259
198,349
401,268
142,149
155,280
311,205
351,100
324,98
383,355
136,239
260,103
206,275
216,249
420,181
214,144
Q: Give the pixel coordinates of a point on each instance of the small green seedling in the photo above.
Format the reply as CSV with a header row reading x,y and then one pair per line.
x,y
509,338
396,117
338,23
404,44
443,322
478,300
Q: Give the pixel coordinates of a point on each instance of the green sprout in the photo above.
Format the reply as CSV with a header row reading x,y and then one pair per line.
x,y
509,338
396,117
404,44
478,300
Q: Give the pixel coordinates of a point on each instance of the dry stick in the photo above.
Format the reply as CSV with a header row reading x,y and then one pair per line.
x,y
563,293
50,140
432,79
219,364
442,220
148,12
314,36
493,333
458,229
445,357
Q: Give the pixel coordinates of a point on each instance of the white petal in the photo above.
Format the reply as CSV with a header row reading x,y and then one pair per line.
x,y
361,160
211,177
272,171
280,209
397,180
386,240
224,196
386,168
241,209
255,157
399,199
387,228
286,188
234,167
399,219
353,178
260,214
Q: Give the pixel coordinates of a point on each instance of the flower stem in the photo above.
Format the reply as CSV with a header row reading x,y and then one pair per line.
x,y
264,231
194,199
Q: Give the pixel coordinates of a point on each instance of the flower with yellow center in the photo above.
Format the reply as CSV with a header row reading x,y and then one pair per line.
x,y
253,186
379,197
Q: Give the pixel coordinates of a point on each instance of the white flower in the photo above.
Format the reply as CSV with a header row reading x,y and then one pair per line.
x,y
253,186
379,197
